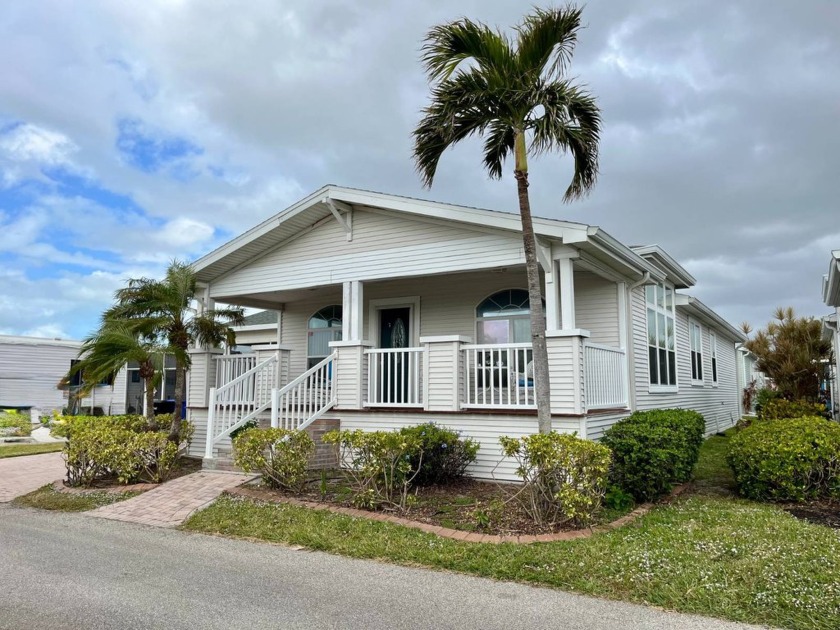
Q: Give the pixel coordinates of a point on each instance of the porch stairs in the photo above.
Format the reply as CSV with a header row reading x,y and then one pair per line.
x,y
254,395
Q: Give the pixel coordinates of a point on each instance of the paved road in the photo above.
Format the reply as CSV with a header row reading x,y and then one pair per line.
x,y
70,571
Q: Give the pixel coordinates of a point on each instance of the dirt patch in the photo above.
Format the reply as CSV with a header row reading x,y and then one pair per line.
x,y
466,505
825,513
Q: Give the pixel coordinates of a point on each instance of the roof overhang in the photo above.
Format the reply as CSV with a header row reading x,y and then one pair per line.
x,y
831,281
675,272
830,327
697,309
323,204
39,341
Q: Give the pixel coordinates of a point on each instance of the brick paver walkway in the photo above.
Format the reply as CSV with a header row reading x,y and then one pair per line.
x,y
22,475
170,504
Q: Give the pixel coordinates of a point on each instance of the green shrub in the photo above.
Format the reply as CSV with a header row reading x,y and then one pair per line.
x,y
654,449
124,447
279,454
380,464
792,459
251,424
444,455
13,423
780,408
764,396
564,476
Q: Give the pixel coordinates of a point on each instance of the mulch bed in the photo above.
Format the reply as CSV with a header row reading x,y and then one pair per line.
x,y
466,505
825,513
185,466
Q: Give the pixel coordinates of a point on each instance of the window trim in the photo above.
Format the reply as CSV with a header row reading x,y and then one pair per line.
x,y
656,388
696,382
714,364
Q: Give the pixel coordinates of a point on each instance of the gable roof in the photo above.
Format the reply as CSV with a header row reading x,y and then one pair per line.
x,y
322,203
676,272
696,308
831,281
259,318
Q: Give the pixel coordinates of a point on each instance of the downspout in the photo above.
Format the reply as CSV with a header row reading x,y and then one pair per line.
x,y
630,358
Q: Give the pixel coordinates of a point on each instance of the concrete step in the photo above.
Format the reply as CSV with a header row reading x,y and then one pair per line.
x,y
220,463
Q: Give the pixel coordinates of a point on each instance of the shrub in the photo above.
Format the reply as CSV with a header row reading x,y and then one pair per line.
x,y
444,455
280,455
380,464
787,459
780,408
653,449
251,424
565,477
13,423
124,447
764,396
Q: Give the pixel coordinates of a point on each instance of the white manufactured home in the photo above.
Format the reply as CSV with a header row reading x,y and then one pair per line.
x,y
30,371
393,311
831,329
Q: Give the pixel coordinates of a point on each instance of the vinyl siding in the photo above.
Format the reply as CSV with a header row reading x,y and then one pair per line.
x,y
596,308
383,246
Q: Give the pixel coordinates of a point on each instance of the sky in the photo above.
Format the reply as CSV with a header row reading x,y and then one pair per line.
x,y
135,133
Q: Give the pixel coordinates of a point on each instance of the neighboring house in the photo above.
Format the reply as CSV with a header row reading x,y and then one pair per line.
x,y
748,373
30,371
394,311
831,330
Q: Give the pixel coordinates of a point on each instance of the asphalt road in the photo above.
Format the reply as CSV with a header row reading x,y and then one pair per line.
x,y
71,571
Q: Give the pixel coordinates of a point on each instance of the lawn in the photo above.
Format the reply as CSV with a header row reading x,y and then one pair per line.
x,y
48,498
707,554
16,450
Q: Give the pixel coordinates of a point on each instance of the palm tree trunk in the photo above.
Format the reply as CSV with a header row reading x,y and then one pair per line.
x,y
149,402
542,383
180,378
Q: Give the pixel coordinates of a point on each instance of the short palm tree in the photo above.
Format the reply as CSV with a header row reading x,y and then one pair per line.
x,y
513,93
164,309
107,351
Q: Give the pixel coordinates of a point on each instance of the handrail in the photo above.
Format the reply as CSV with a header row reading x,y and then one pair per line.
x,y
298,380
244,375
497,346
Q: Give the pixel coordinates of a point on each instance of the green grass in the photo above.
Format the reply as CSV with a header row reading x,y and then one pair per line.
x,y
48,498
712,474
16,450
706,554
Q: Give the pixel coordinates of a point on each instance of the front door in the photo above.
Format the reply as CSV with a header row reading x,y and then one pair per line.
x,y
395,332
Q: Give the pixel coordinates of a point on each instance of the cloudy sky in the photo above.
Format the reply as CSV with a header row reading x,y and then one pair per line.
x,y
132,133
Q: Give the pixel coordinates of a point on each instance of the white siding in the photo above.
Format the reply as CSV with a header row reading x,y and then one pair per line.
x,y
719,405
383,246
596,308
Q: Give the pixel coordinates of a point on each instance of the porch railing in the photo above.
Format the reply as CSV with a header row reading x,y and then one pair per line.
x,y
306,398
232,366
605,376
394,377
499,376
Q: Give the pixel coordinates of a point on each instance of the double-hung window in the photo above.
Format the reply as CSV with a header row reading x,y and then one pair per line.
x,y
695,334
662,357
713,350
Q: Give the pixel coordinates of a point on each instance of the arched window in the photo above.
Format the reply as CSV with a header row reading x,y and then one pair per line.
x,y
324,327
504,317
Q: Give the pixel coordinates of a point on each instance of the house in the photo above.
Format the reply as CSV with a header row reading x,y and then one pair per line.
x,y
30,371
393,311
749,375
831,329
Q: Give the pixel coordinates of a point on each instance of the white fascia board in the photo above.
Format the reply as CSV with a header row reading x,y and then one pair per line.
x,y
39,341
254,327
626,255
831,281
697,309
671,266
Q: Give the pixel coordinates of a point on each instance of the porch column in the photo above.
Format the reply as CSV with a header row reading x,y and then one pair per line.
x,y
552,297
202,376
565,366
443,372
350,373
567,293
352,311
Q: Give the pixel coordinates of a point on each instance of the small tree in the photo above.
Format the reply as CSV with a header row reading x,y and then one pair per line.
x,y
792,352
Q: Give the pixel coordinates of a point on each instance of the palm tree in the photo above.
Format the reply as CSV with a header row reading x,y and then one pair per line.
x,y
116,343
513,93
163,309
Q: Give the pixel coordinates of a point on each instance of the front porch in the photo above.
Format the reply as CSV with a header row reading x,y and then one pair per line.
x,y
425,347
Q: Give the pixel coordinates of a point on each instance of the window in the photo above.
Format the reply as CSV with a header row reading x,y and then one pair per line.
x,y
695,334
713,344
76,379
504,317
324,327
662,358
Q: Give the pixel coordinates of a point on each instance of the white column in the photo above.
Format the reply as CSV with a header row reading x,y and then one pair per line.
x,y
567,293
279,312
552,298
346,309
352,311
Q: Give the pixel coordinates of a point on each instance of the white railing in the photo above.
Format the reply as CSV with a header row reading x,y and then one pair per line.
x,y
394,377
306,398
499,376
239,400
232,366
605,376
